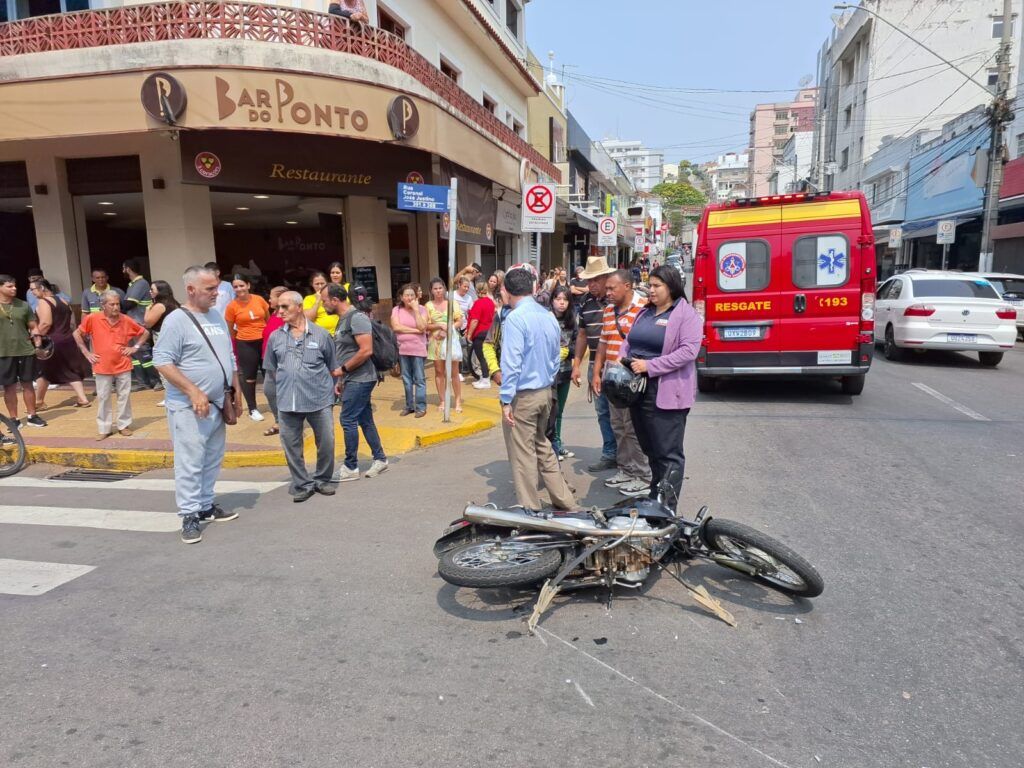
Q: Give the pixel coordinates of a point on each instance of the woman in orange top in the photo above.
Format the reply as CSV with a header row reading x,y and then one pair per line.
x,y
246,317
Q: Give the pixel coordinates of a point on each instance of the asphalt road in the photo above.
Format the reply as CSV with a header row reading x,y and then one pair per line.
x,y
319,634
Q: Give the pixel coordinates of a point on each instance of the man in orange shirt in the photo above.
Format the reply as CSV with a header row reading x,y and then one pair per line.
x,y
112,335
634,475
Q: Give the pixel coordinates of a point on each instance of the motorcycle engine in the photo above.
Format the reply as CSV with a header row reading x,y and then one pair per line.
x,y
624,561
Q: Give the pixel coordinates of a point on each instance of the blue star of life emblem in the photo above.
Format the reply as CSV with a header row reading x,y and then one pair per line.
x,y
832,261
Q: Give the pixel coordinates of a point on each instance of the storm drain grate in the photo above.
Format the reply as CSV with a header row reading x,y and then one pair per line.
x,y
95,475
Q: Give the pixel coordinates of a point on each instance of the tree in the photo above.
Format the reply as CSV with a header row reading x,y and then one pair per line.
x,y
676,194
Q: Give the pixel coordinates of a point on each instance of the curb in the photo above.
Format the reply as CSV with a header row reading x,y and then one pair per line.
x,y
142,461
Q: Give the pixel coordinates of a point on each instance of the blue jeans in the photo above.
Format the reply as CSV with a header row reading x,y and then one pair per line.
x,y
198,454
415,382
609,448
355,413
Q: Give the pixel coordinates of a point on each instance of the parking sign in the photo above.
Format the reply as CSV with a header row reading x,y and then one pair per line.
x,y
946,233
607,231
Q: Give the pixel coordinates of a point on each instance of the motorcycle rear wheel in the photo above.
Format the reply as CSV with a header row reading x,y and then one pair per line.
x,y
777,565
488,564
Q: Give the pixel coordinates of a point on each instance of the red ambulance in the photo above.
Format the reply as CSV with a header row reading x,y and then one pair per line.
x,y
786,287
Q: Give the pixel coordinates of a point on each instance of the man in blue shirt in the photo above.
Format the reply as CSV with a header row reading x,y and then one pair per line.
x,y
529,360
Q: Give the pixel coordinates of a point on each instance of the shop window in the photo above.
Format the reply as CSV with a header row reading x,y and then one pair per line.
x,y
490,104
449,70
822,261
743,265
389,23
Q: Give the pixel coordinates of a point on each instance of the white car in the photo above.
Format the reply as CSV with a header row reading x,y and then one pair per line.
x,y
1011,288
932,309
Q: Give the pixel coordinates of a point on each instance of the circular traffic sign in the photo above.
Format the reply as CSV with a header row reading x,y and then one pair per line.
x,y
607,226
539,199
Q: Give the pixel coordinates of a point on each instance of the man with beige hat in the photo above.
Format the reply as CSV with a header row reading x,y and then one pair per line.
x,y
591,314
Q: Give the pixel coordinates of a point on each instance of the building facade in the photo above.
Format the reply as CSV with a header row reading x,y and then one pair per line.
x,y
729,177
644,167
875,84
793,165
268,139
770,128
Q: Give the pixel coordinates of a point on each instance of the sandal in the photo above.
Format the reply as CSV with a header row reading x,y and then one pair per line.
x,y
270,432
86,404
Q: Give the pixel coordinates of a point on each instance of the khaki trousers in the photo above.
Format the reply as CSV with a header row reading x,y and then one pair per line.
x,y
628,455
530,452
106,418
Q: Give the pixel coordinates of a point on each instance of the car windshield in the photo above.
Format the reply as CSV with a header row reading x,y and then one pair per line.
x,y
1008,285
962,289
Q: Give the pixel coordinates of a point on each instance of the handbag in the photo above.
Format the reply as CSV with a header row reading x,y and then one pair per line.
x,y
228,410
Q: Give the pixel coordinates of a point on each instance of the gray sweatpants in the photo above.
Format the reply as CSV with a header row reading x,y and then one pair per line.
x,y
322,424
629,455
198,455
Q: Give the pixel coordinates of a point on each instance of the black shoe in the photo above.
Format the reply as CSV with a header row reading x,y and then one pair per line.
x,y
325,490
217,515
158,387
34,421
139,387
406,411
602,464
190,531
302,496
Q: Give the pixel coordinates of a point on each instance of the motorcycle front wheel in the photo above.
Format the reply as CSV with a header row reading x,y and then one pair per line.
x,y
772,562
487,564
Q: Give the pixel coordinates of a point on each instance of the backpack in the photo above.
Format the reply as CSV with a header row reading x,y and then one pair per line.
x,y
385,347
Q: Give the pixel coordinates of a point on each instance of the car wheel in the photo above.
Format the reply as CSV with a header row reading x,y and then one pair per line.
x,y
990,359
853,385
890,350
705,384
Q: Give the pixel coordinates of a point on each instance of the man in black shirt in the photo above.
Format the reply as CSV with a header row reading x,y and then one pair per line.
x,y
579,289
591,317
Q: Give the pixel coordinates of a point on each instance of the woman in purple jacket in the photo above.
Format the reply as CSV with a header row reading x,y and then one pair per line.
x,y
663,343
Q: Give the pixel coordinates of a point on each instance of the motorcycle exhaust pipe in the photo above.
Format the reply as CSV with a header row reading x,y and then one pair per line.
x,y
510,518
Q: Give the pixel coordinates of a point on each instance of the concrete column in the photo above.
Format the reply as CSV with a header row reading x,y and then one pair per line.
x,y
366,240
54,217
427,246
466,254
179,222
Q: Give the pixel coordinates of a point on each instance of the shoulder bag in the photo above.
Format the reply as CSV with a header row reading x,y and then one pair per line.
x,y
228,410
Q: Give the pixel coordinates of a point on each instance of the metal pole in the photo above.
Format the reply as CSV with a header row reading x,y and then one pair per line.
x,y
945,255
453,198
999,113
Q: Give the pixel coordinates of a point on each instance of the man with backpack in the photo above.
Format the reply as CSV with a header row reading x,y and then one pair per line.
x,y
354,340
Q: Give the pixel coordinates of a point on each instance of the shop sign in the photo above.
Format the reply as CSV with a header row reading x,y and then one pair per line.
x,y
403,117
508,218
163,97
538,210
328,166
607,231
277,104
476,210
425,198
895,237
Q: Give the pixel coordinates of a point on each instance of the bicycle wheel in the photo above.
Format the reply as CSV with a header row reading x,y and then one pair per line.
x,y
12,447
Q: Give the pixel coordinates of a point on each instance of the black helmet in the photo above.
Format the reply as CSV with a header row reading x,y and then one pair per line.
x,y
45,349
621,386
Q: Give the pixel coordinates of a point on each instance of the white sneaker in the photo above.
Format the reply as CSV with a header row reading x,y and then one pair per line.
x,y
461,377
344,475
256,415
376,468
634,488
482,384
161,404
618,478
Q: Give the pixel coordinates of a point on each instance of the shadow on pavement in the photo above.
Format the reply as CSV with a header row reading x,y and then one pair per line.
x,y
938,357
736,589
740,390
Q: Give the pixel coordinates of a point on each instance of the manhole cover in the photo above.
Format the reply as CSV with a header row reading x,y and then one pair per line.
x,y
94,475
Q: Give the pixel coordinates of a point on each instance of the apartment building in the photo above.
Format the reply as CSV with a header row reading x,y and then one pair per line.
x,y
771,125
645,167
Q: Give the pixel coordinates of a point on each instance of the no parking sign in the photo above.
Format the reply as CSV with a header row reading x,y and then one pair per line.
x,y
538,208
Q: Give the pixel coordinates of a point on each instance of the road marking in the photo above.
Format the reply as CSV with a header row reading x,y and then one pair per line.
x,y
30,578
951,402
108,519
137,484
583,693
666,700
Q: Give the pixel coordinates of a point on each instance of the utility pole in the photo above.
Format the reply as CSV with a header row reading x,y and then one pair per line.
x,y
999,114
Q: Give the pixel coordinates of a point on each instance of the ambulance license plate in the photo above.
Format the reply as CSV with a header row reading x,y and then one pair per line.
x,y
841,357
962,338
745,332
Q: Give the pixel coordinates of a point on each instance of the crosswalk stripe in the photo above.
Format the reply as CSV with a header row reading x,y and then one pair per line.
x,y
109,519
30,577
138,484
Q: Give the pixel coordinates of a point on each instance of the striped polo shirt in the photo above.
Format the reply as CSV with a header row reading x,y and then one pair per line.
x,y
624,320
592,320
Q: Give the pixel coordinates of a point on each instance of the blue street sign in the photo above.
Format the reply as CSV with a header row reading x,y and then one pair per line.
x,y
428,198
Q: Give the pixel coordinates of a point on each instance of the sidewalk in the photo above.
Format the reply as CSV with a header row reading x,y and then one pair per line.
x,y
70,438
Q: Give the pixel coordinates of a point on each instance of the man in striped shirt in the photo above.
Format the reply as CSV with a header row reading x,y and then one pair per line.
x,y
634,475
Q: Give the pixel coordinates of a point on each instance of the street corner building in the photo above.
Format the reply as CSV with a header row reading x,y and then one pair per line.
x,y
269,139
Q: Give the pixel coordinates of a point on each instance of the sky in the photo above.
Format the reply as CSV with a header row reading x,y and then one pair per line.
x,y
626,64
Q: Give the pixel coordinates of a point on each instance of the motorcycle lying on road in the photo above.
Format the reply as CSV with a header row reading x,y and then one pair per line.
x,y
490,547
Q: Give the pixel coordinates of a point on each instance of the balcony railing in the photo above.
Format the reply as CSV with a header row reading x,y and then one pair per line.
x,y
255,22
